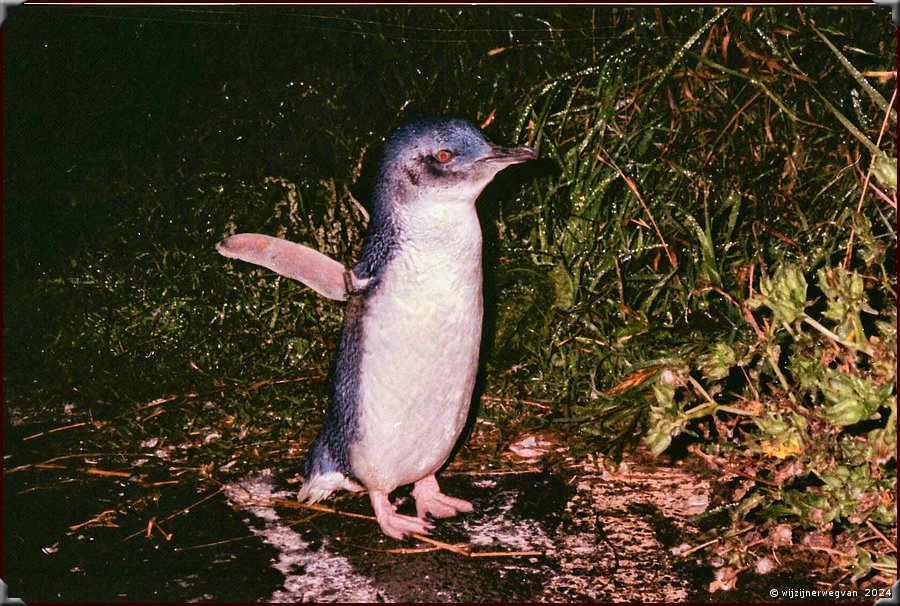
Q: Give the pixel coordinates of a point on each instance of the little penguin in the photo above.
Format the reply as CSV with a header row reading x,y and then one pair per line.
x,y
409,346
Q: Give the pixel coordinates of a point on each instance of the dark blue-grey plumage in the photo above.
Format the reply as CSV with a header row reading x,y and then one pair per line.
x,y
329,451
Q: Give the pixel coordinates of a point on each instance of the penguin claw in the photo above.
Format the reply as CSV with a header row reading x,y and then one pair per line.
x,y
398,526
430,500
441,506
392,523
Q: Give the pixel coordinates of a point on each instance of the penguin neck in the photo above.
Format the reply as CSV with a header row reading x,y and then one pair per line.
x,y
428,224
445,220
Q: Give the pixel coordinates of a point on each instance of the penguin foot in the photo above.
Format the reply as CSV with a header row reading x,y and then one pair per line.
x,y
430,499
392,523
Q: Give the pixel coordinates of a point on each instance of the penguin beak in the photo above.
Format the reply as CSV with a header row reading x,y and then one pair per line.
x,y
504,156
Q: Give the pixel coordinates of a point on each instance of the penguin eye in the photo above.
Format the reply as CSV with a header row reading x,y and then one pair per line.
x,y
444,155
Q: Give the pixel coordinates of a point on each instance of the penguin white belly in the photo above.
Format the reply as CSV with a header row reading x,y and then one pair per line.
x,y
422,333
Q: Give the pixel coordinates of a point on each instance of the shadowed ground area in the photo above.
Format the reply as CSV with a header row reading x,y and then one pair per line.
x,y
541,533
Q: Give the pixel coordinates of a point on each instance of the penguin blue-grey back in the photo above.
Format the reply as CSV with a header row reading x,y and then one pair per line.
x,y
409,346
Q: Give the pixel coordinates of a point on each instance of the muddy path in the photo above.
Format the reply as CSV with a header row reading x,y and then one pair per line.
x,y
75,530
605,538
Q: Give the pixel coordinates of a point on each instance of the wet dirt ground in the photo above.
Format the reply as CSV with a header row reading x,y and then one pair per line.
x,y
580,550
571,534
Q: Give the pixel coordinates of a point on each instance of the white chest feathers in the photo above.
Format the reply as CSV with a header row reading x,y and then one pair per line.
x,y
420,346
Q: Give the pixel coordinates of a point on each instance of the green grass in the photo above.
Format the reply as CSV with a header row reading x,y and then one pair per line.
x,y
702,259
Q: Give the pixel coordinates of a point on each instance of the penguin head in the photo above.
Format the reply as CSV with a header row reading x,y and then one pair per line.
x,y
446,161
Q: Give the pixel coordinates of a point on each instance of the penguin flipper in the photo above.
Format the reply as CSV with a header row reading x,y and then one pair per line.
x,y
318,271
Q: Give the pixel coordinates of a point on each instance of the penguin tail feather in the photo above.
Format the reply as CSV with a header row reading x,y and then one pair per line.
x,y
320,486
